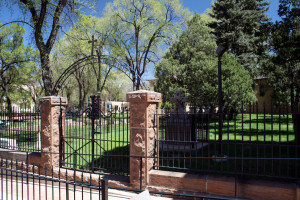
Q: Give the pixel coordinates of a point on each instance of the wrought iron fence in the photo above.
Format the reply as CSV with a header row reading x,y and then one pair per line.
x,y
97,138
20,180
20,129
254,142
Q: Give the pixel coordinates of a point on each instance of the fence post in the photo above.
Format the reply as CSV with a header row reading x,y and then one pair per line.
x,y
104,189
51,109
143,106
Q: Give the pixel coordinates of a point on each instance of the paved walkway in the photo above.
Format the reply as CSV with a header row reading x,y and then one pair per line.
x,y
16,190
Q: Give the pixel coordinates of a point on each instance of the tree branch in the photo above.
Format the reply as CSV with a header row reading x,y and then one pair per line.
x,y
55,24
12,22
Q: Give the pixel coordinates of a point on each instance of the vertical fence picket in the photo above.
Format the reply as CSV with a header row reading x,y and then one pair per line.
x,y
11,180
17,182
39,171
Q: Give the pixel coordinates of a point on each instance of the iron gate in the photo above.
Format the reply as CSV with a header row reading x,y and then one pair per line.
x,y
96,138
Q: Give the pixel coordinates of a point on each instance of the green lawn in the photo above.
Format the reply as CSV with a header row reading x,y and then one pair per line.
x,y
111,147
262,128
24,133
246,140
266,136
259,128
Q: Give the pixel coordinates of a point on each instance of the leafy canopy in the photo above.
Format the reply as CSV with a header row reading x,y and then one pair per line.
x,y
17,66
243,27
142,29
190,64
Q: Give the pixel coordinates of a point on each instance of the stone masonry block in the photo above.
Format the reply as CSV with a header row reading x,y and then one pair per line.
x,y
143,106
46,115
143,96
151,110
46,139
51,108
54,101
150,141
138,142
138,116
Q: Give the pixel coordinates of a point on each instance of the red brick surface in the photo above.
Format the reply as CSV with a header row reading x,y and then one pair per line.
x,y
217,185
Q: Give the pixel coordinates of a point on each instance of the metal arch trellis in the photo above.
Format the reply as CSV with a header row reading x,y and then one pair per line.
x,y
77,65
87,143
83,145
82,63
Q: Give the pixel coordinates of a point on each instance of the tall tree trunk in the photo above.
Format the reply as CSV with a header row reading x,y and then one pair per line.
x,y
133,81
99,73
69,93
9,108
138,83
46,74
80,88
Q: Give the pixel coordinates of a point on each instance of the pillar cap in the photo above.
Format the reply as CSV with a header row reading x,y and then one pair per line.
x,y
54,100
143,96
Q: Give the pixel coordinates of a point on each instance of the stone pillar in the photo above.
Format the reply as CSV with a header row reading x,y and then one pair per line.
x,y
51,107
143,106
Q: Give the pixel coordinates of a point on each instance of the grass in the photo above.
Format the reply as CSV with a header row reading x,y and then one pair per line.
x,y
245,136
111,147
254,144
262,128
242,159
24,133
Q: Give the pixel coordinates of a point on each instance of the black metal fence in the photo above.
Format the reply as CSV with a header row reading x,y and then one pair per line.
x,y
255,142
22,181
20,129
97,138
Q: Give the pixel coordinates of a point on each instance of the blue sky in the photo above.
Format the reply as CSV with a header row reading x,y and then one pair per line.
x,y
195,6
199,6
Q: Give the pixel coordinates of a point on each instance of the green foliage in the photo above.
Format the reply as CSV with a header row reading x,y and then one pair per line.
x,y
283,69
191,65
17,66
141,30
90,77
242,26
46,18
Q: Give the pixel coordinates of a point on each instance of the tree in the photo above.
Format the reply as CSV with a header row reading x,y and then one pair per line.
x,y
46,19
141,30
16,65
284,69
99,29
118,84
92,77
243,27
191,65
66,52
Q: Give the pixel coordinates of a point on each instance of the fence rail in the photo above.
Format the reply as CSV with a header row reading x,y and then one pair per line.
x,y
253,142
22,181
20,129
97,138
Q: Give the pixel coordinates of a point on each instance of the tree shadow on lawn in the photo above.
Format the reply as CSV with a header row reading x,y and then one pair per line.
x,y
259,160
115,161
259,131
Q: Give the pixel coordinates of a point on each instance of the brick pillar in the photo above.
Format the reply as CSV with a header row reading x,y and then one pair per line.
x,y
143,106
50,112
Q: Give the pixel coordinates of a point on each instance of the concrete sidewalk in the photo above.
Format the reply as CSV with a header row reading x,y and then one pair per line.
x,y
16,190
